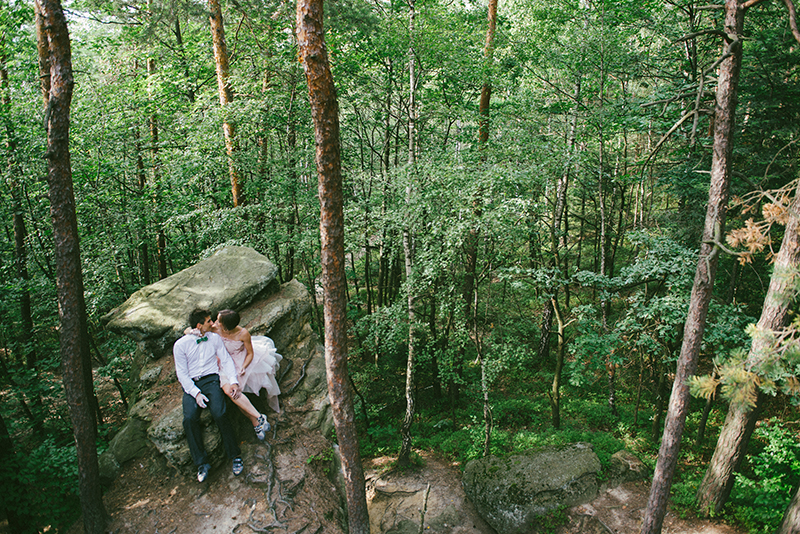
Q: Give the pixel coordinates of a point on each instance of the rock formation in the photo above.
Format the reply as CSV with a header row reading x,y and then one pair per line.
x,y
156,316
511,492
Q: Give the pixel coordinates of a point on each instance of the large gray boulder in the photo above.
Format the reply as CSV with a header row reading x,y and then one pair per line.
x,y
510,493
282,312
156,315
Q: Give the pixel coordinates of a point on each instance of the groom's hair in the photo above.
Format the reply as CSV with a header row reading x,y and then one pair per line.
x,y
228,318
198,316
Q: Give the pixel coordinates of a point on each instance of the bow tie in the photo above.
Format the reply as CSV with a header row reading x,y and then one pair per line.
x,y
204,338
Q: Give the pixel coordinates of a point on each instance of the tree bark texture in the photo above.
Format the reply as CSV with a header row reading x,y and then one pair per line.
x,y
43,53
791,518
141,224
486,90
75,361
727,86
161,240
190,95
225,95
741,419
555,393
325,115
731,447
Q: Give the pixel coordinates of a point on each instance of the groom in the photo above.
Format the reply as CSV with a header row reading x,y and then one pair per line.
x,y
198,372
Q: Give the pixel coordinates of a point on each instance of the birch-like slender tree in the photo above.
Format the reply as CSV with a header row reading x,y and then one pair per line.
x,y
404,456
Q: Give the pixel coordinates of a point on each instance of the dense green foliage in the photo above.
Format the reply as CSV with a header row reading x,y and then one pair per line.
x,y
578,200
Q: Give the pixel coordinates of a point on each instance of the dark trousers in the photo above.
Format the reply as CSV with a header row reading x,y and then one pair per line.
x,y
209,386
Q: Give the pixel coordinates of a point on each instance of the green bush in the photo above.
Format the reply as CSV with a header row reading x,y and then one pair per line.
x,y
516,413
684,492
380,440
762,492
604,444
42,486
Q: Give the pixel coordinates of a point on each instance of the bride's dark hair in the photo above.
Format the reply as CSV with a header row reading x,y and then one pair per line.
x,y
228,318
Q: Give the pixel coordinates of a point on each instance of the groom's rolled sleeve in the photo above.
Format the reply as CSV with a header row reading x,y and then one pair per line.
x,y
182,370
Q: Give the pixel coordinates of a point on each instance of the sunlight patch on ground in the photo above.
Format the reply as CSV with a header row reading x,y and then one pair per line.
x,y
137,504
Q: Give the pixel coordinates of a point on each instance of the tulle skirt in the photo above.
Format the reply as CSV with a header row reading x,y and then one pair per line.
x,y
261,372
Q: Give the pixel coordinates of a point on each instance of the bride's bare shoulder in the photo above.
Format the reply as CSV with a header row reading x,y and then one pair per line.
x,y
242,334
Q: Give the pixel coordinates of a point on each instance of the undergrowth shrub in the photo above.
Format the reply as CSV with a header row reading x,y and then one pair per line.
x,y
42,486
516,413
763,491
604,444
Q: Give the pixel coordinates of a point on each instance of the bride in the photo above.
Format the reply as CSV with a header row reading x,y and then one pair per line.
x,y
255,357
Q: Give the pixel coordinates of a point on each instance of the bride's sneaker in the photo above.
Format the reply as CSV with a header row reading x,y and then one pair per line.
x,y
262,427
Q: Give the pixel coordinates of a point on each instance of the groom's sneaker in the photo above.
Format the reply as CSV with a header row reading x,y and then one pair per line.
x,y
262,427
202,472
238,466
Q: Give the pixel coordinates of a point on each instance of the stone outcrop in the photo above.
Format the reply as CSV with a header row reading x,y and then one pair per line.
x,y
509,493
155,316
400,500
625,467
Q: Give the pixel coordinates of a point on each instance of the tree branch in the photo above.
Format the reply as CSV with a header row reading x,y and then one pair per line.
x,y
666,136
792,19
749,4
718,33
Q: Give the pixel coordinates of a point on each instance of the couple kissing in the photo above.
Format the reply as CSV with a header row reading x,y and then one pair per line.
x,y
217,357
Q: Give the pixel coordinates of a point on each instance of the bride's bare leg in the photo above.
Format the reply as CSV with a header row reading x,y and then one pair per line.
x,y
244,404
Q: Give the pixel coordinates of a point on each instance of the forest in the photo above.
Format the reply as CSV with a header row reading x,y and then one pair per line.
x,y
558,216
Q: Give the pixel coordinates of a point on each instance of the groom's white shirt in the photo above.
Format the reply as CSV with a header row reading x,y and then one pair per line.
x,y
193,360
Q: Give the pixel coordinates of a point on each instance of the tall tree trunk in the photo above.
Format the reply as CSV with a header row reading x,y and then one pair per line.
x,y
469,289
43,53
727,85
741,419
161,240
225,95
141,225
661,393
486,90
543,351
471,245
555,393
190,96
404,456
791,517
701,426
293,217
75,361
367,247
325,114
386,159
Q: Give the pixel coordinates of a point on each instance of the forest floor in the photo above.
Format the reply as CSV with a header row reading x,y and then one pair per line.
x,y
149,498
140,502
